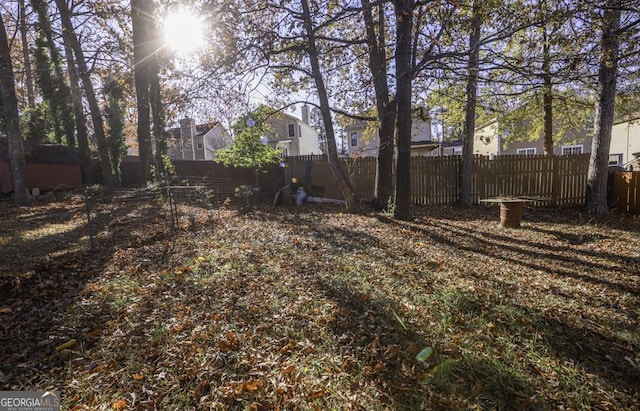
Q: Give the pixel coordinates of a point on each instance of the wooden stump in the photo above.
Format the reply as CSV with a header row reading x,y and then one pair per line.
x,y
511,213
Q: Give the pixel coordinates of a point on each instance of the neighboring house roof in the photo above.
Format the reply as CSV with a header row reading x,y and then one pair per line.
x,y
432,145
630,119
201,129
446,144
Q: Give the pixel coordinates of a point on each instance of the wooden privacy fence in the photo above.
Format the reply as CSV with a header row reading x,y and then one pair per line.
x,y
626,191
436,180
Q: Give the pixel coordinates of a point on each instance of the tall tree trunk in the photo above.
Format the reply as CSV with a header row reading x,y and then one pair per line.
x,y
157,113
12,123
547,94
386,109
332,152
25,54
157,108
142,54
404,76
78,110
606,93
470,109
94,108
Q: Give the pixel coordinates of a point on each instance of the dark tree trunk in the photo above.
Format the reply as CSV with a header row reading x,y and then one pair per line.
x,y
547,95
96,116
25,54
606,93
157,112
404,76
142,54
332,152
470,109
12,124
386,109
157,108
78,109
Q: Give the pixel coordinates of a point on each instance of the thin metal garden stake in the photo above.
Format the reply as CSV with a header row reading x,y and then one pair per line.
x,y
86,203
173,207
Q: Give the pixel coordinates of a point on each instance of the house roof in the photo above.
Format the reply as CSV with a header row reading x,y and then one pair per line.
x,y
628,119
432,145
42,153
201,129
447,144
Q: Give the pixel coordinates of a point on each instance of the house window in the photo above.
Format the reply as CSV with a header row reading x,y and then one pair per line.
x,y
526,151
199,145
292,130
589,122
572,149
615,160
354,139
299,131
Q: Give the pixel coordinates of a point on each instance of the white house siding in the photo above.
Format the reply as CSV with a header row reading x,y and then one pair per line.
x,y
215,139
309,143
625,139
420,130
193,144
487,141
359,143
368,143
293,135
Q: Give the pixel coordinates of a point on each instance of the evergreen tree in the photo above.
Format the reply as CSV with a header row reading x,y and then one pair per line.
x,y
11,121
52,80
114,112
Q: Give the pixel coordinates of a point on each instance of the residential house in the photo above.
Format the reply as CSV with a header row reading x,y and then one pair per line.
x,y
448,148
294,136
362,137
200,142
625,144
196,142
489,141
624,149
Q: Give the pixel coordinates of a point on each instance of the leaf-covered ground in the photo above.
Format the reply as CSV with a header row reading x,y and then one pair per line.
x,y
310,308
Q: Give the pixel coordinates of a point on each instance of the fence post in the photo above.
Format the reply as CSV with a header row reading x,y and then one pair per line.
x,y
483,189
555,184
173,209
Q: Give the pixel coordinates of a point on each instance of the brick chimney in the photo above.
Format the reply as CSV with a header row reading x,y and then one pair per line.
x,y
188,134
305,114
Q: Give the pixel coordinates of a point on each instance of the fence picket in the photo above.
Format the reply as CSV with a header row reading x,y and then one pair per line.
x,y
434,180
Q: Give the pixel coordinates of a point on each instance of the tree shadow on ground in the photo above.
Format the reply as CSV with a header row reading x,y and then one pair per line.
x,y
42,290
572,216
606,356
342,239
386,353
484,244
599,354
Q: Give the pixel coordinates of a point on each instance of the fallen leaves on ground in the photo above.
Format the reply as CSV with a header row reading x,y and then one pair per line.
x,y
311,308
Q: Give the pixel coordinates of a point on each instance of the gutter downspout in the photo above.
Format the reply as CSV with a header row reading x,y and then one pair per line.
x,y
627,153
